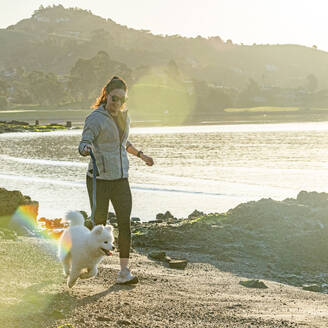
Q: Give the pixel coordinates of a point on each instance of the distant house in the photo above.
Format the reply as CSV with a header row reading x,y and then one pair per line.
x,y
40,18
62,19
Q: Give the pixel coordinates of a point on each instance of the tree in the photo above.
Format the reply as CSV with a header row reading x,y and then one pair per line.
x,y
218,99
45,88
3,88
82,77
247,95
311,82
88,76
3,102
173,71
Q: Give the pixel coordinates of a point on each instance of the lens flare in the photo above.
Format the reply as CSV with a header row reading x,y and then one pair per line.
x,y
159,97
25,217
30,274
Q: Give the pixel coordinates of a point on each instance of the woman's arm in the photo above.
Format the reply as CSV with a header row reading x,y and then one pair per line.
x,y
90,132
132,150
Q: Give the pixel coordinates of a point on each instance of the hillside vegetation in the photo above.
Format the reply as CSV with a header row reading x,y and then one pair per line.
x,y
64,56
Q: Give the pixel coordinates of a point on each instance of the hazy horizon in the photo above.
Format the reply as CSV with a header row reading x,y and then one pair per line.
x,y
262,22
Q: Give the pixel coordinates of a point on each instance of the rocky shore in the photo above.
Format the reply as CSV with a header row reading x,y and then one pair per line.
x,y
17,213
261,264
19,126
286,241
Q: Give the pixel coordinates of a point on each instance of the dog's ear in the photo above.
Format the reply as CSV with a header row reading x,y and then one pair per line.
x,y
98,229
109,228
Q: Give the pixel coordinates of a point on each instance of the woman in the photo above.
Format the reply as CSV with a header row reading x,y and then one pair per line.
x,y
106,132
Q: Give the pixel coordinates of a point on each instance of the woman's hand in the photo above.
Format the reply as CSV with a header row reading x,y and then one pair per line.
x,y
86,149
148,160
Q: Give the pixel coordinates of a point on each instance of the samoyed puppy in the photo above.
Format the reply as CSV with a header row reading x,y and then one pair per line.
x,y
81,250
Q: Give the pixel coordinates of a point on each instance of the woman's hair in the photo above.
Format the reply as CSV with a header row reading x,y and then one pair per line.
x,y
115,83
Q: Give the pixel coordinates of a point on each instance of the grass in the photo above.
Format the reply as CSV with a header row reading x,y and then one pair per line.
x,y
267,109
209,218
30,285
32,128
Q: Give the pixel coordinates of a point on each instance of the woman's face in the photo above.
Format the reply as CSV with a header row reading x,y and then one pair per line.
x,y
115,100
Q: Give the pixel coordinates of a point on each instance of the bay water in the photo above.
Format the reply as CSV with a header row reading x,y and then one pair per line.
x,y
211,168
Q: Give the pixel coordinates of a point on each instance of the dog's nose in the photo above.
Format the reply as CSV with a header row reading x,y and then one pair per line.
x,y
113,248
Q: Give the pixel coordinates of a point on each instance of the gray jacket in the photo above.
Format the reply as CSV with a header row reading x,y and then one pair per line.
x,y
100,130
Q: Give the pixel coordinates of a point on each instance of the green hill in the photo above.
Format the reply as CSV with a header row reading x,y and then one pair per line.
x,y
62,57
54,38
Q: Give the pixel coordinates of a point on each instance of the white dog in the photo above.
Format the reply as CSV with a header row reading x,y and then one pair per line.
x,y
81,250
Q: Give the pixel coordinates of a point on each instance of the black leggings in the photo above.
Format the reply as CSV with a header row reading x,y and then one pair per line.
x,y
119,193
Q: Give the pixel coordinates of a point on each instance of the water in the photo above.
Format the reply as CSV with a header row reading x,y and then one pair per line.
x,y
209,168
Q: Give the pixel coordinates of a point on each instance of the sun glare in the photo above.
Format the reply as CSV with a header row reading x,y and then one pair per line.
x,y
160,97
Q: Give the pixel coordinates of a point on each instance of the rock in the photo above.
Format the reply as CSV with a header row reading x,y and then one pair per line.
x,y
18,123
167,259
123,322
10,201
159,216
195,214
157,255
164,217
253,284
102,318
178,264
135,221
313,288
157,221
286,240
111,217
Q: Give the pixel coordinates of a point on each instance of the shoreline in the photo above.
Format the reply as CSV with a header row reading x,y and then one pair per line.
x,y
20,126
50,125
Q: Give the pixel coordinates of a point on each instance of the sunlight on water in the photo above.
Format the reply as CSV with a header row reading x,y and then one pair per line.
x,y
277,127
211,168
42,161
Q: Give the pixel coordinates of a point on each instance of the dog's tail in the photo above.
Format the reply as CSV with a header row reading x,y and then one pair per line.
x,y
74,218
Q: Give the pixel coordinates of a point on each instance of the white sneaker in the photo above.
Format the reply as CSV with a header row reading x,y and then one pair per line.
x,y
126,278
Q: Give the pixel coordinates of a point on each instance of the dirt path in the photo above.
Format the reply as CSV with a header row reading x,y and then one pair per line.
x,y
199,296
33,294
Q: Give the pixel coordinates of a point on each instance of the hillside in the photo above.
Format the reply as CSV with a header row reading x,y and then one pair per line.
x,y
54,38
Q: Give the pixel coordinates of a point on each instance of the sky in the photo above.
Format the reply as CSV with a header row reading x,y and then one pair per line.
x,y
301,22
